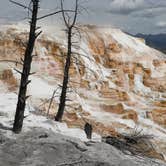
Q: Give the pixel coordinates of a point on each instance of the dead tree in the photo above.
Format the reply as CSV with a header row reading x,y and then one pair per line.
x,y
69,25
27,60
25,73
135,143
88,130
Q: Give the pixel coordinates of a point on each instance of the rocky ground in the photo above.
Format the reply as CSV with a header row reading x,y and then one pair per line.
x,y
40,147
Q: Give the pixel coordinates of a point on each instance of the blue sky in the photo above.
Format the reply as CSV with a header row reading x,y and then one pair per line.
x,y
134,16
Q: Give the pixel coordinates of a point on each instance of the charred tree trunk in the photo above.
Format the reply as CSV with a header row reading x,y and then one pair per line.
x,y
69,25
88,130
19,116
61,108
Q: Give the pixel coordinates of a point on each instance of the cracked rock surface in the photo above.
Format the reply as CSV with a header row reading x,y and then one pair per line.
x,y
39,147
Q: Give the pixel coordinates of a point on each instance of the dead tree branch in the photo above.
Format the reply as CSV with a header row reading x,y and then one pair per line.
x,y
21,5
135,144
53,13
12,61
53,96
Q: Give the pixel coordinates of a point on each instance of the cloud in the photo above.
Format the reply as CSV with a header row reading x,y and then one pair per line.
x,y
149,12
126,6
131,6
134,16
144,16
161,24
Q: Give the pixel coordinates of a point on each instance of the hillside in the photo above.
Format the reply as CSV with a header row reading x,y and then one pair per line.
x,y
46,142
118,84
157,41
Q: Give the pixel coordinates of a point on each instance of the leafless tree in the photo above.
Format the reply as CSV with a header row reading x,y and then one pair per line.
x,y
27,60
70,24
25,73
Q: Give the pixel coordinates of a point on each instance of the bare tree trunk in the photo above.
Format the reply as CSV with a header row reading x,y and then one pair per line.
x,y
19,116
61,108
69,25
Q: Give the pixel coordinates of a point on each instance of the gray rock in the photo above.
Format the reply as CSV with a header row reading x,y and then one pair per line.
x,y
39,147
